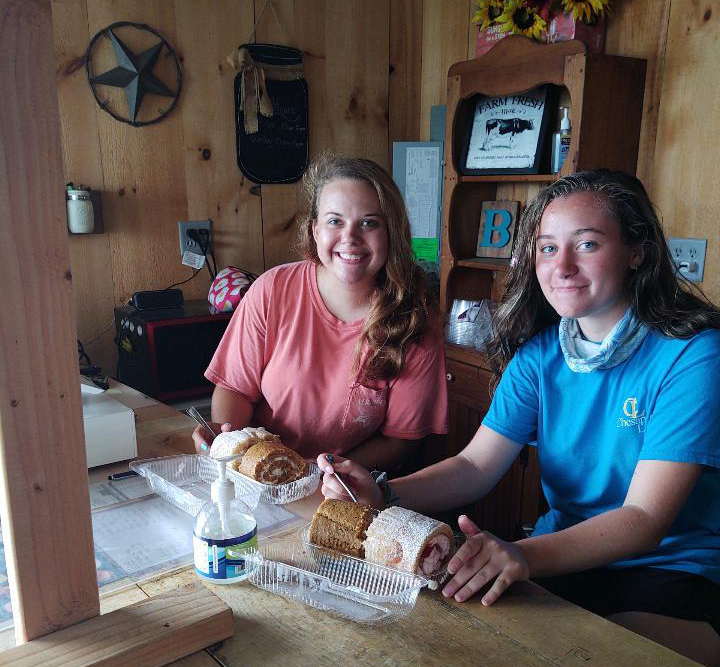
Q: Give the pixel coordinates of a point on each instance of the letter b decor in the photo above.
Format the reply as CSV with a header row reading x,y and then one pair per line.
x,y
497,228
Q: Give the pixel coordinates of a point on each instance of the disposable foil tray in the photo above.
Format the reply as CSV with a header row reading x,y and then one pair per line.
x,y
278,494
185,481
333,582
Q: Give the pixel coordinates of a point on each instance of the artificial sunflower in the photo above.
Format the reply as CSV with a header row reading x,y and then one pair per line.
x,y
519,19
587,11
487,12
542,7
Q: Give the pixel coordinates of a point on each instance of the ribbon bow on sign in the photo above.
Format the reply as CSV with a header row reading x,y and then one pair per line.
x,y
253,93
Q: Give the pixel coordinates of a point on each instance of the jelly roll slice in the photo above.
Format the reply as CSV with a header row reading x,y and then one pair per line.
x,y
410,542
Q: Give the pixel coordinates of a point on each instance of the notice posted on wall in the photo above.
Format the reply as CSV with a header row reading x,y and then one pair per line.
x,y
422,198
417,170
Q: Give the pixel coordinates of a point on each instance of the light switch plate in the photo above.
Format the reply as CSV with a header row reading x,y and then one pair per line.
x,y
689,257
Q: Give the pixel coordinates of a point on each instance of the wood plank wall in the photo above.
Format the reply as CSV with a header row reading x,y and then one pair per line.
x,y
374,69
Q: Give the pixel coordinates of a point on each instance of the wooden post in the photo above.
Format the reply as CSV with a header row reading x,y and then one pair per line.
x,y
43,477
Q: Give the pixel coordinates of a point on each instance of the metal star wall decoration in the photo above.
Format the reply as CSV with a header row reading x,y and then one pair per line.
x,y
133,73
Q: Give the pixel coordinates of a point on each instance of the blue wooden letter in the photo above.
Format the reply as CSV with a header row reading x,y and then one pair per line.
x,y
490,227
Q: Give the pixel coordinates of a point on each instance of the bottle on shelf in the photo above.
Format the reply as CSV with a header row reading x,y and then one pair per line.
x,y
560,142
225,530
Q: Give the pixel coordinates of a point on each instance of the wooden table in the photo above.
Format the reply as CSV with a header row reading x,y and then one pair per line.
x,y
527,627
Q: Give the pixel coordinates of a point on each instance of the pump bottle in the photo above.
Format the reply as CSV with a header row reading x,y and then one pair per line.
x,y
560,143
225,530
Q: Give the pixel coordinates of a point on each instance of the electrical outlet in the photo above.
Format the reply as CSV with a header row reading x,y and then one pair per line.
x,y
689,257
186,243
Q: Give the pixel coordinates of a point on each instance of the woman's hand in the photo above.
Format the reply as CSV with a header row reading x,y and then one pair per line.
x,y
355,476
203,439
481,559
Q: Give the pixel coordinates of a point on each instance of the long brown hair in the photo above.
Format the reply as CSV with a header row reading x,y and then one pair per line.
x,y
402,306
659,296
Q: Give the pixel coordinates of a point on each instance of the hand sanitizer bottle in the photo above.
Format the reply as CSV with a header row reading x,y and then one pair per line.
x,y
560,143
225,530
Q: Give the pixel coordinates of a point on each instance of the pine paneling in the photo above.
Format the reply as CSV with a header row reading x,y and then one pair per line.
x,y
83,164
144,173
299,27
639,29
215,186
445,39
685,170
405,83
356,77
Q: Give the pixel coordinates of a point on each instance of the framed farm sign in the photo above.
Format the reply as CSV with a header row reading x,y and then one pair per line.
x,y
507,134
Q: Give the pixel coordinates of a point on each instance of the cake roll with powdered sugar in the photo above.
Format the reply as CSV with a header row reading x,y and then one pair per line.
x,y
409,541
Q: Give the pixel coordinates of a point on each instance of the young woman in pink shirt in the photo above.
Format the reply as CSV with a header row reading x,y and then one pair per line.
x,y
341,352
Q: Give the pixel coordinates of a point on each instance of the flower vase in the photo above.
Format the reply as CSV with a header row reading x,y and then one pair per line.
x,y
487,38
563,27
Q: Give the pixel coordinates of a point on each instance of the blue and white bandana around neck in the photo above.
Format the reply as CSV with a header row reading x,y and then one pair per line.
x,y
624,338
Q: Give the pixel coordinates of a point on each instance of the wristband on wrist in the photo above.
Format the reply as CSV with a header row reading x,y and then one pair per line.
x,y
389,496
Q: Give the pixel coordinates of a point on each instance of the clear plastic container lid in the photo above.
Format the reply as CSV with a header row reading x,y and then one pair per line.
x,y
278,494
432,581
185,481
333,582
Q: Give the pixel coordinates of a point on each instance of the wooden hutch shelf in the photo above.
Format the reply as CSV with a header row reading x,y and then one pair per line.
x,y
487,263
509,178
466,355
605,95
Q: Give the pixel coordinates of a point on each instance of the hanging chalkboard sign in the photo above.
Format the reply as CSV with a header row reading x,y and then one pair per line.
x,y
271,113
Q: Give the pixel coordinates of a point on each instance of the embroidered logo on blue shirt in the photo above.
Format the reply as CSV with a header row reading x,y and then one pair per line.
x,y
633,417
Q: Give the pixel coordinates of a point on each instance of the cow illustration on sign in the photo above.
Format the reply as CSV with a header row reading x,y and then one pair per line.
x,y
497,128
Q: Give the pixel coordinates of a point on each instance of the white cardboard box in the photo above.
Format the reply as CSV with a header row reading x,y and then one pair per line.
x,y
109,430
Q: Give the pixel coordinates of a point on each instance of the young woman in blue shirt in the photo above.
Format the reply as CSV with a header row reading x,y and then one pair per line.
x,y
609,363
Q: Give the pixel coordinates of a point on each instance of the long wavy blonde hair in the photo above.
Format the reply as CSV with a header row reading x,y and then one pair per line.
x,y
402,306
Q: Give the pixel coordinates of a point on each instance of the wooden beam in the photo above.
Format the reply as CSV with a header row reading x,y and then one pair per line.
x,y
43,477
149,633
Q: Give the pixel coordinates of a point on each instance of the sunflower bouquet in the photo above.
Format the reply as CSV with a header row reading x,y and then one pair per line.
x,y
535,19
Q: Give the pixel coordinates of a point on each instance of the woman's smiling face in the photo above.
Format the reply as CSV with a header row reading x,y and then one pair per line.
x,y
351,232
582,264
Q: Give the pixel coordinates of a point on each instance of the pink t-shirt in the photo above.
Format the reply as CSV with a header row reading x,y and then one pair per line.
x,y
289,356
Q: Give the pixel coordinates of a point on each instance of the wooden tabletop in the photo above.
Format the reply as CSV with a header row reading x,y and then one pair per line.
x,y
527,627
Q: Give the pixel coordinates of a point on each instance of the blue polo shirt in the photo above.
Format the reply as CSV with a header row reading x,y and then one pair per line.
x,y
591,429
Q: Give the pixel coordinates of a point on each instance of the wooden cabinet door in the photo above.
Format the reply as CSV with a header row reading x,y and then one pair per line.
x,y
516,500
